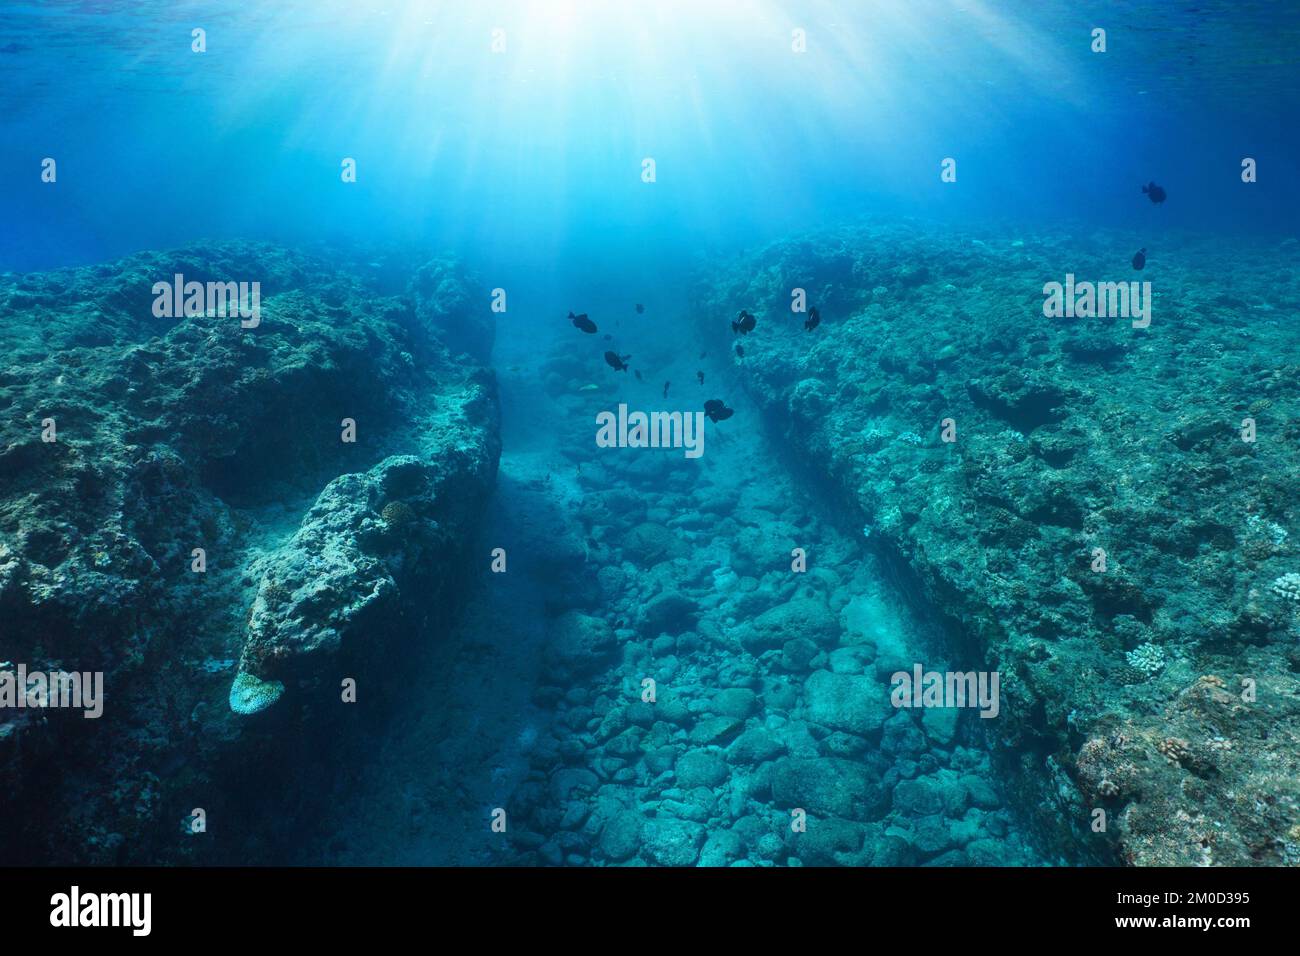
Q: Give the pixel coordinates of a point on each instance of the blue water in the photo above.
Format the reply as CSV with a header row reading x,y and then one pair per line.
x,y
526,161
531,158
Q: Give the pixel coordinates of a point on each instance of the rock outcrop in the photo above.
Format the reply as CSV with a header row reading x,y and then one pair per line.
x,y
227,518
1113,524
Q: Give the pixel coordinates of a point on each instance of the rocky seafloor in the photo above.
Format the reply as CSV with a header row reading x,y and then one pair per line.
x,y
505,718
127,442
770,686
1159,685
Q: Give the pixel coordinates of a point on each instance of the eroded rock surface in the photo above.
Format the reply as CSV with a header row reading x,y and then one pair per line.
x,y
1127,689
321,558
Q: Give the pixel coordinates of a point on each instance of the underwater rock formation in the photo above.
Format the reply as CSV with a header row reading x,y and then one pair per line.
x,y
223,519
1110,489
711,706
442,304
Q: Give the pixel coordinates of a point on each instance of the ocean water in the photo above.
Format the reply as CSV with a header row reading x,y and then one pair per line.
x,y
689,658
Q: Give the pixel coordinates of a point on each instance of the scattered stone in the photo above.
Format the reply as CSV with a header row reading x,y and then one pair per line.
x,y
852,703
738,702
722,848
700,768
801,617
621,836
827,842
826,786
669,842
754,747
716,730
940,724
670,612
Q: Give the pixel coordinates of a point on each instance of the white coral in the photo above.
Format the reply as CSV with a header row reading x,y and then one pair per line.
x,y
1148,658
1288,586
1259,528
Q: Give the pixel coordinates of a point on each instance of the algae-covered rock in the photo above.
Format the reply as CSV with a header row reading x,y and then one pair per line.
x,y
1029,485
921,797
754,747
722,848
579,644
670,612
801,618
717,730
829,842
940,724
180,491
700,768
621,836
827,786
648,544
848,702
669,842
762,547
444,302
349,573
738,702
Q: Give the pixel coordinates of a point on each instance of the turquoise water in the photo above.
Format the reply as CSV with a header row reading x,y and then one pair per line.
x,y
531,157
659,167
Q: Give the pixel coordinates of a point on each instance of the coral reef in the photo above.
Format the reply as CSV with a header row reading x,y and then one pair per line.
x,y
178,491
1148,658
251,695
1113,498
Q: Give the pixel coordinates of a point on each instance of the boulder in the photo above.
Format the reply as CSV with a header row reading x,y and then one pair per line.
x,y
579,644
800,617
669,842
827,786
852,703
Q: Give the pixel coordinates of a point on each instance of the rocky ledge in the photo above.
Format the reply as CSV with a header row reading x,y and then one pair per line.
x,y
228,517
1113,525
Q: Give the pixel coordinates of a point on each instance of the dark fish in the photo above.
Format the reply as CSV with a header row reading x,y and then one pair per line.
x,y
616,363
813,320
608,337
582,322
740,350
637,373
1155,193
704,355
715,410
1140,259
666,384
700,376
744,323
639,308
